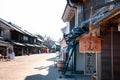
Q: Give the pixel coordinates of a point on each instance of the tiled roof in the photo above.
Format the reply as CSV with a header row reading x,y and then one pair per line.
x,y
15,27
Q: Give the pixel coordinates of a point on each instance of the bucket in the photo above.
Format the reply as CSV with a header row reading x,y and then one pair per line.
x,y
60,65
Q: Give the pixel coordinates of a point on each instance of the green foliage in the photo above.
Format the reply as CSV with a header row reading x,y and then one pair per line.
x,y
39,36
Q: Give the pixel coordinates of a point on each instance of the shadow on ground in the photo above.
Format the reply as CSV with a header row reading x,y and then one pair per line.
x,y
41,67
34,77
53,73
52,59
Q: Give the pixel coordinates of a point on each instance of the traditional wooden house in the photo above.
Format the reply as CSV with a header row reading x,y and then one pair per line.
x,y
30,41
38,45
22,41
105,20
4,45
26,42
16,39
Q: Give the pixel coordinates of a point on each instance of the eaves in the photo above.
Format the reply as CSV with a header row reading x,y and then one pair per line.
x,y
108,16
6,23
68,14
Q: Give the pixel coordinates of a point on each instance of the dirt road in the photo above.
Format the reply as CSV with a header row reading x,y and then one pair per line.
x,y
33,67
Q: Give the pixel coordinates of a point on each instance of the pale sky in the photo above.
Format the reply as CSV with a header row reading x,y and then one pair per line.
x,y
35,16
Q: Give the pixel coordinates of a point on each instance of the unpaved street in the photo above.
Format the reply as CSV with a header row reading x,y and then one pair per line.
x,y
33,67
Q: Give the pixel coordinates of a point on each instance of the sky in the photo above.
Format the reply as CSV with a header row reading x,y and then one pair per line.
x,y
42,17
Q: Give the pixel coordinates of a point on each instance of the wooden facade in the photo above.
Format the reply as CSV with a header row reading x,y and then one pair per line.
x,y
107,62
21,41
110,56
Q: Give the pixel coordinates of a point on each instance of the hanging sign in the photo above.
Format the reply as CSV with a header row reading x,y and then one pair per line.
x,y
90,64
89,44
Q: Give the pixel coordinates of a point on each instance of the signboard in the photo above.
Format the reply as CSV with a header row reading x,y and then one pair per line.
x,y
89,44
90,64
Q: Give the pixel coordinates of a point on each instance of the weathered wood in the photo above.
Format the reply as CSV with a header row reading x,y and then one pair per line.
x,y
106,57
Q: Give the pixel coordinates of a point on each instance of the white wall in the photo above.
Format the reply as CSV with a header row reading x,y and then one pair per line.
x,y
79,60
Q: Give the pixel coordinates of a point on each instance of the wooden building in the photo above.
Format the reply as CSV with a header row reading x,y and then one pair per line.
x,y
22,41
4,45
105,25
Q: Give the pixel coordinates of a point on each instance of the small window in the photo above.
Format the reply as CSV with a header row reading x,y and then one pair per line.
x,y
1,33
35,41
25,38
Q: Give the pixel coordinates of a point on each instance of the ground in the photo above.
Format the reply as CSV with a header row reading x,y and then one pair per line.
x,y
33,67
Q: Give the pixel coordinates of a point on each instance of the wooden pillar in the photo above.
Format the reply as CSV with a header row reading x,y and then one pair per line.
x,y
112,71
98,66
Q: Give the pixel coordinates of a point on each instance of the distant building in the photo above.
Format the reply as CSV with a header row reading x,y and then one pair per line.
x,y
21,41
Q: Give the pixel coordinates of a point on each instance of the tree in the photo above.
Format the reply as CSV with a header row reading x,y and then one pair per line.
x,y
39,36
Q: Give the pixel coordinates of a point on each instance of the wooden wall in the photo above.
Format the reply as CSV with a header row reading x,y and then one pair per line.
x,y
106,57
91,3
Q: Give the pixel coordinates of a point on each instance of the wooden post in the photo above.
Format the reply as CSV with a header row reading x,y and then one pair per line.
x,y
90,25
98,66
112,54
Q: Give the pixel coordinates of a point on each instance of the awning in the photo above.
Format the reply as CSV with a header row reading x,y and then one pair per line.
x,y
40,40
30,45
4,43
37,45
17,43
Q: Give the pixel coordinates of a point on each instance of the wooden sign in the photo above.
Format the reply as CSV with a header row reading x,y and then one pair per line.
x,y
89,44
90,63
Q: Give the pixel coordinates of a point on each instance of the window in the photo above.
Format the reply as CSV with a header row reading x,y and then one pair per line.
x,y
25,38
1,32
34,40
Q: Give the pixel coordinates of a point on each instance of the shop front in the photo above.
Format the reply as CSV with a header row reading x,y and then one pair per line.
x,y
4,48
